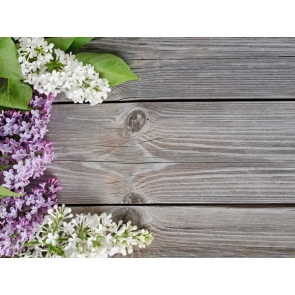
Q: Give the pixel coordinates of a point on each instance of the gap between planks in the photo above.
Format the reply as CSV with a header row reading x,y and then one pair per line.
x,y
192,153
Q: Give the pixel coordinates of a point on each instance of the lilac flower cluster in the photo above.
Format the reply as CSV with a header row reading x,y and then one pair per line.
x,y
23,155
20,216
23,150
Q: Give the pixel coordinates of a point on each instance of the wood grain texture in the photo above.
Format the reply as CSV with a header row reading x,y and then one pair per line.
x,y
186,153
196,68
191,48
210,231
174,132
234,152
109,183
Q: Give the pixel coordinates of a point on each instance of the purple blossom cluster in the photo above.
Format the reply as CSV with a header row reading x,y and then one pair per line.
x,y
23,155
20,216
23,150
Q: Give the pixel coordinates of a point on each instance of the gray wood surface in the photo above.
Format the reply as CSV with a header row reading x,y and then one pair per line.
x,y
210,231
203,68
105,183
206,124
190,48
175,132
191,152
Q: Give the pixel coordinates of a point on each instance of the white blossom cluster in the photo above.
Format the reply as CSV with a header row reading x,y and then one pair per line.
x,y
51,70
85,236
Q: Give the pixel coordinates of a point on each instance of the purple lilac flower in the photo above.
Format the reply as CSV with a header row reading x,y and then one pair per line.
x,y
23,155
20,216
23,149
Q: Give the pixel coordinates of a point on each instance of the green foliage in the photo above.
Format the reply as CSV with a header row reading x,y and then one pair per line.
x,y
79,42
4,192
15,94
69,44
62,43
57,250
9,65
109,66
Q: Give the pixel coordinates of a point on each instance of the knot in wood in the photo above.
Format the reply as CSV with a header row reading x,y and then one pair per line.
x,y
133,198
135,121
139,216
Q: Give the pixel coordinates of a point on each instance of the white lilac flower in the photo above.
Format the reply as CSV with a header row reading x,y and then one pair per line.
x,y
51,239
51,70
85,236
68,228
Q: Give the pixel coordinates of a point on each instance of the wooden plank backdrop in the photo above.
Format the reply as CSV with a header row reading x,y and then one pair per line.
x,y
210,231
201,150
203,68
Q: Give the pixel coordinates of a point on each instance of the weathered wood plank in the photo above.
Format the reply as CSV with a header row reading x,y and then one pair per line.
x,y
192,68
216,152
210,231
174,132
191,48
108,183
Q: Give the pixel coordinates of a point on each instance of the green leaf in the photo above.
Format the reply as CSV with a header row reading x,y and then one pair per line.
x,y
78,42
57,250
4,192
15,94
108,66
9,65
62,43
